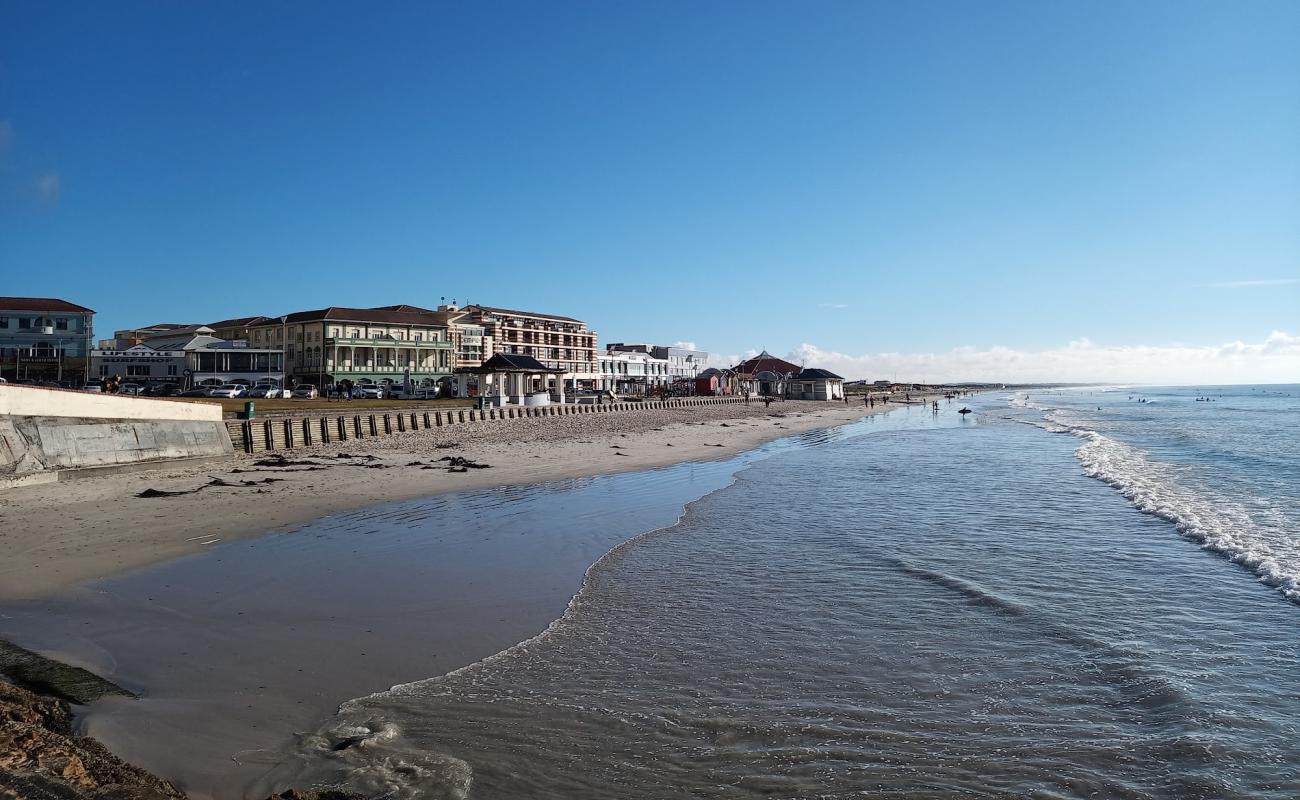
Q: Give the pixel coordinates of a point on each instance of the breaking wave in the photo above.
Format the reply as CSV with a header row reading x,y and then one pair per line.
x,y
1218,523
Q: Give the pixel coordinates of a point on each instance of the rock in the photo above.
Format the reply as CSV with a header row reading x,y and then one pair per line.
x,y
40,759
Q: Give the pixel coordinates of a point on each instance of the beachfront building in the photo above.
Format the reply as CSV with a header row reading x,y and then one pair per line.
x,y
562,344
238,329
765,375
816,384
191,358
365,345
632,372
131,336
44,339
684,364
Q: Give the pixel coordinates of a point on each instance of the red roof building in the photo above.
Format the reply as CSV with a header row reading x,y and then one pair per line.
x,y
766,362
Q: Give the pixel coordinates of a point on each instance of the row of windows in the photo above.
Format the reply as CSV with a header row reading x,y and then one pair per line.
x,y
25,323
134,370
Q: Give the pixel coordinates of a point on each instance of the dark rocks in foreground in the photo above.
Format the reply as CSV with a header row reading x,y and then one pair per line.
x,y
42,759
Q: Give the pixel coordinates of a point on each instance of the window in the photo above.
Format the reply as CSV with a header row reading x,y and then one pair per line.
x,y
137,370
24,322
61,324
103,370
171,369
4,322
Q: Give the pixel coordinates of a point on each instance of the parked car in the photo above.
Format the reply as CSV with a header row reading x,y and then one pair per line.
x,y
131,388
305,391
161,390
230,390
370,391
268,390
92,387
198,391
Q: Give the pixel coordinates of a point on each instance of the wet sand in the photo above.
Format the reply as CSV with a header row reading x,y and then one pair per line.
x,y
235,649
58,535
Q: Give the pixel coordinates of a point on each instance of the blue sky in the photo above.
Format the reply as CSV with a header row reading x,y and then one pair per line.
x,y
856,178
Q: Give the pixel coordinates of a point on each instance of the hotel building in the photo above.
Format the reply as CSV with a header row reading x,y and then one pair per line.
x,y
381,345
559,343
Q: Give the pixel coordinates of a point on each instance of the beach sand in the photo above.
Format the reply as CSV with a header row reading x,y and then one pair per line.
x,y
232,659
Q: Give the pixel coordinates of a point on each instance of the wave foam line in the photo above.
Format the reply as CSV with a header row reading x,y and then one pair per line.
x,y
1218,524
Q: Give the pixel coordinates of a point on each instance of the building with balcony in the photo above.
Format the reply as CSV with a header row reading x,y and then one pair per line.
x,y
632,372
388,344
684,364
562,344
44,339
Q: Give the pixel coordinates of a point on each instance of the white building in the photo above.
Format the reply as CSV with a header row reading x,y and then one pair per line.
x,y
683,363
632,372
191,359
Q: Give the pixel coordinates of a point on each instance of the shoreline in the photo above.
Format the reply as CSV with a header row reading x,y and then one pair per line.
x,y
602,453
116,531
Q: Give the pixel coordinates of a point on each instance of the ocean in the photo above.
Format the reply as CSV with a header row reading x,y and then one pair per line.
x,y
1072,593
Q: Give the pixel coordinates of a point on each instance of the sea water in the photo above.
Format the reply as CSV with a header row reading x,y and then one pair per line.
x,y
1075,593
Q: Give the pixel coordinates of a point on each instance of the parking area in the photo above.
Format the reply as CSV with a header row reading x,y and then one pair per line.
x,y
233,405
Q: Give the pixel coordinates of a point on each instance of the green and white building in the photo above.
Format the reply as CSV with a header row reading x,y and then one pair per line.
x,y
383,345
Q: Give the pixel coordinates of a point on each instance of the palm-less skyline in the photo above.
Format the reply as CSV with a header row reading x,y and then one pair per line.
x,y
1004,192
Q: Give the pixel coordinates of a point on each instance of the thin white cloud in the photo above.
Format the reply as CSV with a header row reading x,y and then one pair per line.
x,y
48,188
1274,360
1249,284
834,305
686,345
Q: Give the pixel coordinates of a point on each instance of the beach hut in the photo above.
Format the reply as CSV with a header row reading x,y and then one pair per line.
x,y
816,384
709,382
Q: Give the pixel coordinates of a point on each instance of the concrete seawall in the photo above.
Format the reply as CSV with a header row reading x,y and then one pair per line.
x,y
45,430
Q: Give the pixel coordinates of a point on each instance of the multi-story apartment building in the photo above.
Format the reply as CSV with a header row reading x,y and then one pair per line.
x,y
328,345
684,364
44,339
561,343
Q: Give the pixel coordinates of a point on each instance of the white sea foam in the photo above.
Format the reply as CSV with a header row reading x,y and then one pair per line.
x,y
1218,523
1221,524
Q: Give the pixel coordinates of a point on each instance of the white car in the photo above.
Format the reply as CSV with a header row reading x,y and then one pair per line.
x,y
269,391
305,391
370,391
228,390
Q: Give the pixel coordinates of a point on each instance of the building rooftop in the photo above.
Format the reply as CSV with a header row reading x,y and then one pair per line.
x,y
240,322
817,375
42,304
381,315
766,362
513,313
511,362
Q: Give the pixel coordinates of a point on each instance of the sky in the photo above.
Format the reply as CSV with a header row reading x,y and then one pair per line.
x,y
923,191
